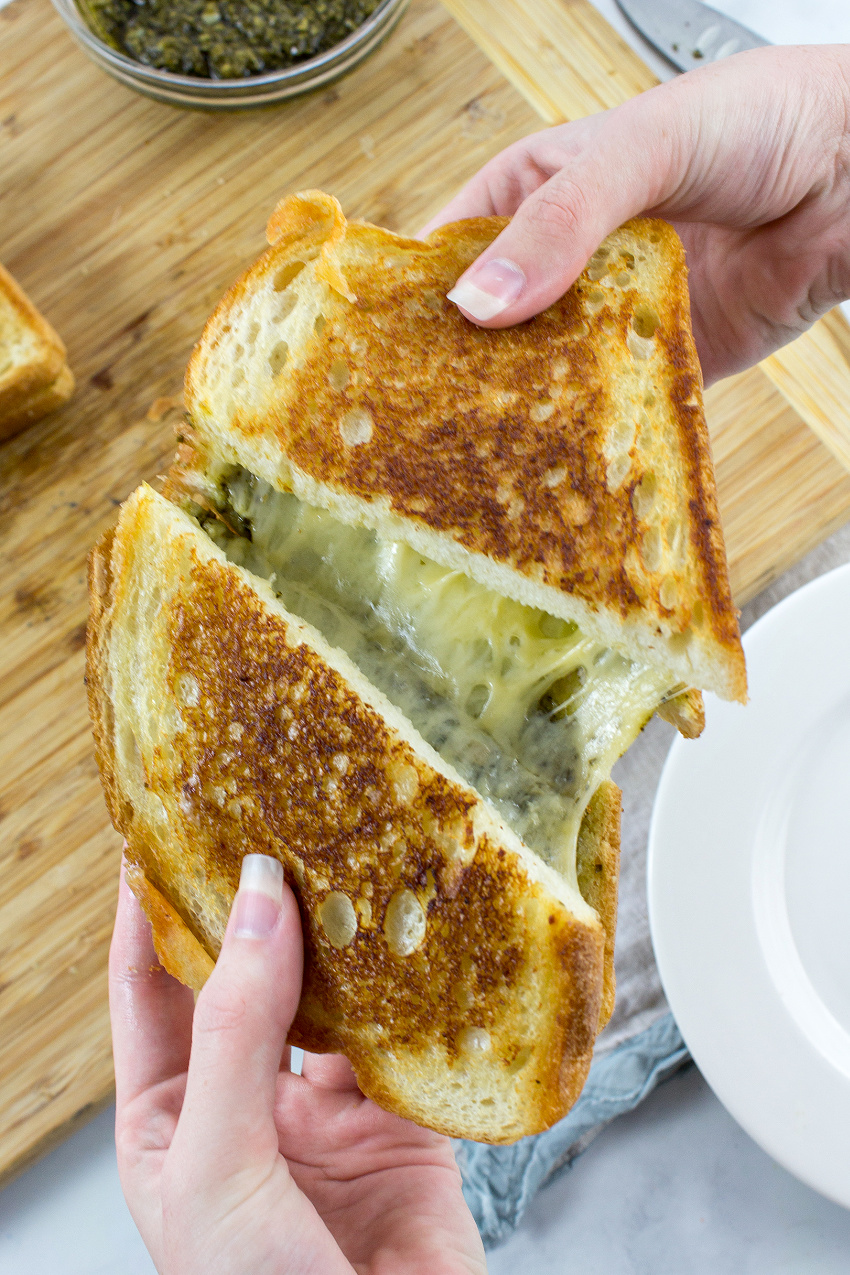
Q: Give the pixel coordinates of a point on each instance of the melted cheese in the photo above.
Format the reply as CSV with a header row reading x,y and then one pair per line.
x,y
529,710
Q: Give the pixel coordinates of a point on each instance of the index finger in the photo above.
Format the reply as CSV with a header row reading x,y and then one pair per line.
x,y
151,1012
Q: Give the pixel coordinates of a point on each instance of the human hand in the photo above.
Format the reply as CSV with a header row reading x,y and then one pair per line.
x,y
750,160
232,1165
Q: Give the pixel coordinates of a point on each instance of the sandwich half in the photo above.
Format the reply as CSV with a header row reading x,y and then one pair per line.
x,y
34,376
411,590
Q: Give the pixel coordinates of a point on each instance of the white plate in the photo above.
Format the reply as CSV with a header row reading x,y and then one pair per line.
x,y
749,888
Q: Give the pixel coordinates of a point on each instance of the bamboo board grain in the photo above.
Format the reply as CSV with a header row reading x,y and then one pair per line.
x,y
125,220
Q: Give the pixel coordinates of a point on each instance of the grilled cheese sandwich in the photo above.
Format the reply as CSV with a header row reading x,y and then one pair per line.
x,y
410,591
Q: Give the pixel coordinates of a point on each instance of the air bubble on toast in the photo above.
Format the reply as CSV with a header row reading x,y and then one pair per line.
x,y
404,923
338,919
679,642
504,398
252,334
287,305
356,427
621,436
650,549
463,995
675,539
404,782
618,468
521,1061
560,369
363,908
643,496
594,301
284,276
645,322
597,266
238,377
340,763
319,323
552,477
668,594
278,357
474,1040
339,374
697,614
622,280
542,411
639,347
187,690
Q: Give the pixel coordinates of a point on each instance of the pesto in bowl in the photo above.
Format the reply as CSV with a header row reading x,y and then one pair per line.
x,y
224,39
228,54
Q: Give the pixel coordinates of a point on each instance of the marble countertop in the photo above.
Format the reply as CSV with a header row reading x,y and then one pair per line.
x,y
674,1187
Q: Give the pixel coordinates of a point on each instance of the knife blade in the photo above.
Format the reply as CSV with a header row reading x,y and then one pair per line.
x,y
687,32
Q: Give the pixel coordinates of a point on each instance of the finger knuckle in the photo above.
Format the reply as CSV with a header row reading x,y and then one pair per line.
x,y
560,210
220,1015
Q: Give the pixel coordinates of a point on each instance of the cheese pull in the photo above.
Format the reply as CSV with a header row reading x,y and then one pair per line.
x,y
527,708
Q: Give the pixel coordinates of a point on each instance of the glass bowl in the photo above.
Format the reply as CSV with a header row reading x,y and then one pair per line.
x,y
252,90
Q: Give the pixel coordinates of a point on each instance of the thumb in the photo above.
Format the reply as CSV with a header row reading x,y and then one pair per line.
x,y
239,1030
614,166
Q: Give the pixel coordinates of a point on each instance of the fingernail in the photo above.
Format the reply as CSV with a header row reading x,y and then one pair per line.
x,y
259,896
487,290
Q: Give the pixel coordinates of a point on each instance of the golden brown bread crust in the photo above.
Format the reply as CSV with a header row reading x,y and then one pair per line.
x,y
500,440
179,951
249,741
598,869
686,712
40,380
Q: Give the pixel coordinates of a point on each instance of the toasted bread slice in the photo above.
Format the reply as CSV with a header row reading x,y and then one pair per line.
x,y
34,377
460,974
564,463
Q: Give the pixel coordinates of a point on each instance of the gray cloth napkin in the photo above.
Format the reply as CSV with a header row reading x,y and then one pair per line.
x,y
641,1045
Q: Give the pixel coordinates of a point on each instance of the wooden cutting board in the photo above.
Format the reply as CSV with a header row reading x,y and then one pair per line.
x,y
125,220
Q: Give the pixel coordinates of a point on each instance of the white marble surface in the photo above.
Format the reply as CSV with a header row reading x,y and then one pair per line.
x,y
674,1188
677,1188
